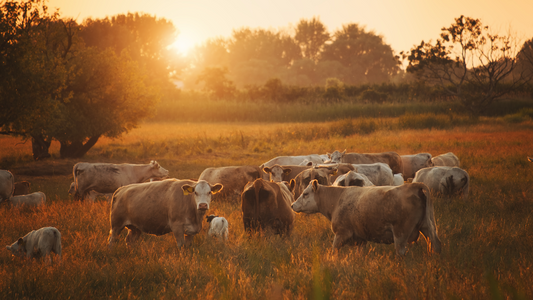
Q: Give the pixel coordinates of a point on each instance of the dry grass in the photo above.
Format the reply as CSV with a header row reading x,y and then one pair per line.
x,y
486,241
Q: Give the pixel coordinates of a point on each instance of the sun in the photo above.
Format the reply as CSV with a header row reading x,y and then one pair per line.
x,y
183,44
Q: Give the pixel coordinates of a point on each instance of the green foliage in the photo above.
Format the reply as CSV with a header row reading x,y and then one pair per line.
x,y
216,83
373,96
334,89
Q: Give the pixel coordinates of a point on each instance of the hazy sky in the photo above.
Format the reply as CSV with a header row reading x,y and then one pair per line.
x,y
401,23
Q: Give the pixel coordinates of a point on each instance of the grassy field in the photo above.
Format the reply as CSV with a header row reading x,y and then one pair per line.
x,y
486,240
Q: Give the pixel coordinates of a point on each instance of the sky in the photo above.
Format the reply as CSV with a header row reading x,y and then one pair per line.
x,y
402,23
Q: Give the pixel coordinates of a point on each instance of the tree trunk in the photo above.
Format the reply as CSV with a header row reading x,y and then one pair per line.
x,y
40,147
76,149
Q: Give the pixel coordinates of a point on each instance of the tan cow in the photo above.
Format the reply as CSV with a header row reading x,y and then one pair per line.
x,y
38,243
106,178
21,188
161,207
379,173
92,194
323,175
381,214
295,160
390,158
446,160
7,185
352,179
445,180
414,162
267,205
342,169
233,178
279,173
33,199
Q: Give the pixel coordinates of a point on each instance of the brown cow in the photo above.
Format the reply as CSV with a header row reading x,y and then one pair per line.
x,y
390,158
21,188
383,214
161,207
322,174
233,178
267,205
414,162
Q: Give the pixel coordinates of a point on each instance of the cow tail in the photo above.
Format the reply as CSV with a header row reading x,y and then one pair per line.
x,y
257,187
57,246
434,242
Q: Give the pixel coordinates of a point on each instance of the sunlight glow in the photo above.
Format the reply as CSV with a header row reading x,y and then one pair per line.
x,y
183,44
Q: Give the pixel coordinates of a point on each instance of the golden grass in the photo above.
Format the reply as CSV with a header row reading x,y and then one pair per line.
x,y
486,241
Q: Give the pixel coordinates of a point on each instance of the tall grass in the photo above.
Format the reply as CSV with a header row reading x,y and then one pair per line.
x,y
486,240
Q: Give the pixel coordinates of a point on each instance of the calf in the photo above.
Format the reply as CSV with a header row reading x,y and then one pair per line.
x,y
33,199
38,243
218,227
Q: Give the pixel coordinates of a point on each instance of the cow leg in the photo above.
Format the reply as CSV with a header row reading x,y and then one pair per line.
x,y
179,234
133,235
113,234
341,237
400,240
188,240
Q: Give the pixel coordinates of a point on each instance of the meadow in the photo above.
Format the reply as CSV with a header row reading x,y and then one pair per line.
x,y
486,240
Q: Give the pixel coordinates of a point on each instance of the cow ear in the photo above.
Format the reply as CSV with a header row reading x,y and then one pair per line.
x,y
187,189
328,154
292,184
287,171
267,170
309,164
8,248
343,152
315,184
216,188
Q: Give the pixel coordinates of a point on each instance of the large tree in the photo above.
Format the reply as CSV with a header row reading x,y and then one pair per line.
x,y
470,63
311,36
365,56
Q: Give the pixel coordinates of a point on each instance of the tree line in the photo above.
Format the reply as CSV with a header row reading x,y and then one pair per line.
x,y
76,82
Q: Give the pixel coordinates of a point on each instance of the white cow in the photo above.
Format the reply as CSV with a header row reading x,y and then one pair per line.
x,y
33,199
38,243
352,179
7,185
379,173
294,160
218,227
446,160
398,179
107,178
445,180
414,162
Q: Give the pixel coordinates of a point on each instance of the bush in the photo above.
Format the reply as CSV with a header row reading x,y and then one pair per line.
x,y
373,96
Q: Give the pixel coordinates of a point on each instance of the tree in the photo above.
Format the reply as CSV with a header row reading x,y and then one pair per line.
x,y
365,56
216,83
311,36
469,63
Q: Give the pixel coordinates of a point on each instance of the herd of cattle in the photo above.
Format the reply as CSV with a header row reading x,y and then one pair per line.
x,y
377,197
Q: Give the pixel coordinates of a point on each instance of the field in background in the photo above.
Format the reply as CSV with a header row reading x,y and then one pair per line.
x,y
486,240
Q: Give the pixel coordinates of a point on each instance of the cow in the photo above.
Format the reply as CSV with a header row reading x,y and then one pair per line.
x,y
352,179
390,158
279,173
233,178
107,178
161,207
38,243
33,199
218,227
414,162
300,182
446,160
342,168
447,181
92,194
398,179
379,173
267,205
7,185
381,214
21,188
294,160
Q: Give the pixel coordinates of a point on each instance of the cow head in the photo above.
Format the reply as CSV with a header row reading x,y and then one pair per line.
x,y
336,157
157,170
321,174
277,172
18,247
201,191
307,203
